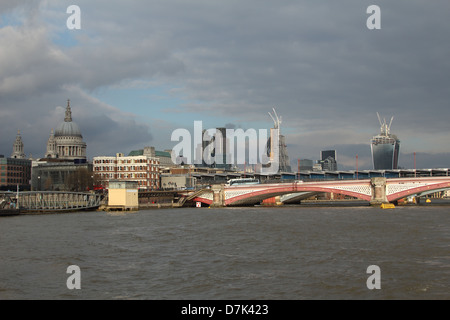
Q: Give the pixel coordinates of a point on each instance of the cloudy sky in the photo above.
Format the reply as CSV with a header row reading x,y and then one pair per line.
x,y
137,70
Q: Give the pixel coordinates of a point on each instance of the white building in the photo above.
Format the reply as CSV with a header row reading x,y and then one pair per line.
x,y
144,170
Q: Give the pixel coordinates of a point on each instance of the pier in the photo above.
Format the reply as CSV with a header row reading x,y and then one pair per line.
x,y
54,201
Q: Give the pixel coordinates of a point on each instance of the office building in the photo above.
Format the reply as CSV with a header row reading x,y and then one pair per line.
x,y
328,160
15,172
385,148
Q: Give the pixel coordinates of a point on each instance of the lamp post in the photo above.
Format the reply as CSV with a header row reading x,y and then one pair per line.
x,y
356,167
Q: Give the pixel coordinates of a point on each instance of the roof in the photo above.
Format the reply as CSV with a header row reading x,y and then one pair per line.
x,y
140,152
70,129
136,153
162,154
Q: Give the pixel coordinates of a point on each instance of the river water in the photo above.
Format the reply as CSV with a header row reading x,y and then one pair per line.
x,y
282,253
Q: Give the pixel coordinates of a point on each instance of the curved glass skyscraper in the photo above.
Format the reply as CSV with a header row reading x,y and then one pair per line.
x,y
385,148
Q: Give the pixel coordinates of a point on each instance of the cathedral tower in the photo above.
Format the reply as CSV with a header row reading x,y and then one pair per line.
x,y
51,146
18,147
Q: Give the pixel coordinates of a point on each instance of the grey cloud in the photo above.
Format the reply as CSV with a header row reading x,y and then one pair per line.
x,y
105,129
316,62
8,5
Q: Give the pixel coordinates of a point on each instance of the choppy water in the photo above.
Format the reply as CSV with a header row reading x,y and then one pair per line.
x,y
287,253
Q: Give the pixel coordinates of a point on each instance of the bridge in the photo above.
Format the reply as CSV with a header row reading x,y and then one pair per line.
x,y
54,200
375,190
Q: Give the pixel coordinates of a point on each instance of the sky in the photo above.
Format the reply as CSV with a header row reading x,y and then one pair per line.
x,y
137,70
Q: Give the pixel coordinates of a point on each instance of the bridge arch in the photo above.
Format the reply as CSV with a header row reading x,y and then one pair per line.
x,y
375,190
418,190
256,197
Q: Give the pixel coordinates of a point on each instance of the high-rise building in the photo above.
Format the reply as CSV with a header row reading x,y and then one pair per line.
x,y
328,153
215,151
283,158
328,160
385,148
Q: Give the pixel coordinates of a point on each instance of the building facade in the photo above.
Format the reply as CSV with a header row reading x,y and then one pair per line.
x,y
60,175
15,172
123,195
142,169
328,160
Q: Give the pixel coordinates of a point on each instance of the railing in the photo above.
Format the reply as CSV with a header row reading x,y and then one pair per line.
x,y
58,201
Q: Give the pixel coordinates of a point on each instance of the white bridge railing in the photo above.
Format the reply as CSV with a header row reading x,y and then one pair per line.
x,y
56,200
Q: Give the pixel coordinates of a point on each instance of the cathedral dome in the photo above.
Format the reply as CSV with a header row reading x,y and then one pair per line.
x,y
68,128
66,142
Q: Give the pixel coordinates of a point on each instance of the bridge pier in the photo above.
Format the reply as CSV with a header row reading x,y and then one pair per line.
x,y
378,186
218,195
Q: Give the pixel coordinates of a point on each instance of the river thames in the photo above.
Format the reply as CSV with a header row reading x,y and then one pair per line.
x,y
261,253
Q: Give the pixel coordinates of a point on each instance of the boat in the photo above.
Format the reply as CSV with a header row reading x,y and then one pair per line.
x,y
8,206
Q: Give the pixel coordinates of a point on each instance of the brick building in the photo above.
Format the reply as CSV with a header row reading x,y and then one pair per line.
x,y
142,169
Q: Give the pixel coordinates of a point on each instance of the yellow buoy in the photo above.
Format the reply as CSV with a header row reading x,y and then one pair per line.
x,y
387,206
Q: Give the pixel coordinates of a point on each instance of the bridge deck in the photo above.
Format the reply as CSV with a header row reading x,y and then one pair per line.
x,y
374,190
